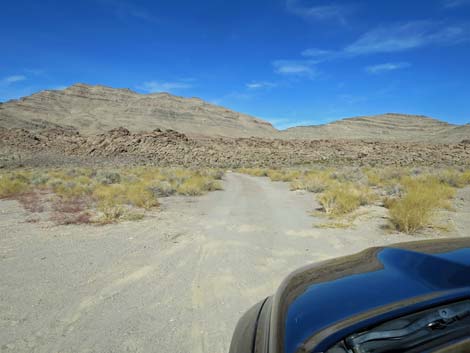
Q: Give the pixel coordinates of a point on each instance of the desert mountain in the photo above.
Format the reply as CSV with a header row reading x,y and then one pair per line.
x,y
395,127
95,109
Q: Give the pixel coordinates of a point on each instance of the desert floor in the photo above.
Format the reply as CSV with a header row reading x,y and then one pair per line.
x,y
176,281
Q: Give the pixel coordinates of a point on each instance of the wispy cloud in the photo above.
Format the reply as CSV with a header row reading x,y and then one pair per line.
x,y
12,79
299,68
256,85
156,86
455,3
386,67
317,53
328,12
406,36
125,10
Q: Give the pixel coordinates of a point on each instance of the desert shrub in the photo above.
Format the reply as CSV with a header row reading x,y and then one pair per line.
x,y
162,189
423,196
283,175
198,185
72,189
13,185
38,179
373,178
31,201
454,178
71,218
216,174
140,195
69,205
312,182
108,178
110,195
343,198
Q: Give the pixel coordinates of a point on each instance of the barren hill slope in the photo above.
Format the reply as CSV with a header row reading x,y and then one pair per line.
x,y
94,109
383,127
97,109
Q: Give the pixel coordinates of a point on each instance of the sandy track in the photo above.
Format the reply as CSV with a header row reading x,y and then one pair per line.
x,y
175,282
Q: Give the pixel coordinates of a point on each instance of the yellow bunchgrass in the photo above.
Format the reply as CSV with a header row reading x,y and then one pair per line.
x,y
343,198
423,197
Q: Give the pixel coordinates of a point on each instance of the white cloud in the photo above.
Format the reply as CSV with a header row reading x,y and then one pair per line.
x,y
386,67
12,79
317,53
302,68
455,3
406,36
155,86
260,85
319,12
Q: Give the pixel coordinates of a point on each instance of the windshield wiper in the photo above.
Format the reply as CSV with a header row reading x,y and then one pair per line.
x,y
439,319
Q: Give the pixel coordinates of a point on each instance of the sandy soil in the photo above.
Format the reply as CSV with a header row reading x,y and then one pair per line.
x,y
174,282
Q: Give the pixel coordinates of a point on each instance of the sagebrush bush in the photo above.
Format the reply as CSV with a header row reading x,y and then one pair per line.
x,y
107,177
162,188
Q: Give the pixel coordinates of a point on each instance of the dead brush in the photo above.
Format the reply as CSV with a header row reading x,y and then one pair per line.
x,y
71,218
32,201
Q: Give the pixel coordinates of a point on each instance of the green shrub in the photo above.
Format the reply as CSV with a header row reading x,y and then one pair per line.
x,y
162,189
108,178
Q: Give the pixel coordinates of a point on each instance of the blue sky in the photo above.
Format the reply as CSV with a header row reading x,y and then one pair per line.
x,y
290,62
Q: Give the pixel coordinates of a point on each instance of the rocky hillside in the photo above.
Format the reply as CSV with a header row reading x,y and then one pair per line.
x,y
58,147
388,127
95,109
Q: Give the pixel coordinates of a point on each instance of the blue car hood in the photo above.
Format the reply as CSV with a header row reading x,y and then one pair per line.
x,y
322,301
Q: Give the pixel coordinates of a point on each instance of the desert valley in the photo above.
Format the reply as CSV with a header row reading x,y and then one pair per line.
x,y
150,222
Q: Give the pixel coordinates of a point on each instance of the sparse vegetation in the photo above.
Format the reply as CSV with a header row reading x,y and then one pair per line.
x,y
258,172
412,195
83,195
343,198
423,196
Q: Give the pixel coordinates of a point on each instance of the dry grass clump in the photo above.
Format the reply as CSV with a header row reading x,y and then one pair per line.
x,y
258,172
84,195
343,198
312,181
198,185
423,197
283,175
12,185
454,178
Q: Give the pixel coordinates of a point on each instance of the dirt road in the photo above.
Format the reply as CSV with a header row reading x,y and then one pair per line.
x,y
175,282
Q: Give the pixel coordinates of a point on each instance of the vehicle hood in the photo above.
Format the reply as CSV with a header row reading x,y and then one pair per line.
x,y
320,302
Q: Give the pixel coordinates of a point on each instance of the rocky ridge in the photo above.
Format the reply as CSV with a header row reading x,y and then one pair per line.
x,y
56,147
